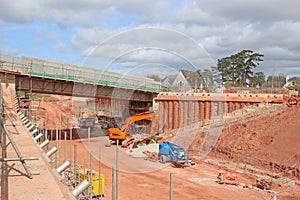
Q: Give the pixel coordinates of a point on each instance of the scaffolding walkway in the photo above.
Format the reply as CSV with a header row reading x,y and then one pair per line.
x,y
23,177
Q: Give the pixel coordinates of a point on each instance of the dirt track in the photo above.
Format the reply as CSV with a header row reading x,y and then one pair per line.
x,y
197,182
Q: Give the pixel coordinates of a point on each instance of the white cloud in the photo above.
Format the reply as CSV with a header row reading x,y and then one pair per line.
x,y
7,50
271,27
60,47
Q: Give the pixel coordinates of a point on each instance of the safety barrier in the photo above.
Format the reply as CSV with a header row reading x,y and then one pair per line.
x,y
55,70
41,140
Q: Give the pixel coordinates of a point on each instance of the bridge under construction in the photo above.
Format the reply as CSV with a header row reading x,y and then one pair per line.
x,y
110,92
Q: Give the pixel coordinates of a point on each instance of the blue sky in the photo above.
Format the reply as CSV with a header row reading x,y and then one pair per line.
x,y
164,36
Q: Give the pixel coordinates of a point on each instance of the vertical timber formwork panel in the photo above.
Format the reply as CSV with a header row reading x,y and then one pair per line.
x,y
166,109
161,116
233,106
196,108
230,107
224,107
207,110
190,113
180,114
201,109
242,105
170,115
210,109
238,106
220,108
176,114
185,113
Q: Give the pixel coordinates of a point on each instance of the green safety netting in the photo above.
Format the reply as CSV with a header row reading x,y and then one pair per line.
x,y
83,79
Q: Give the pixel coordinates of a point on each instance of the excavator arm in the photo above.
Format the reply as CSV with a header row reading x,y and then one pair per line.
x,y
122,134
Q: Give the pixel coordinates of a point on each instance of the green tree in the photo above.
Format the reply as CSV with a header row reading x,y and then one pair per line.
x,y
276,81
211,78
257,79
237,69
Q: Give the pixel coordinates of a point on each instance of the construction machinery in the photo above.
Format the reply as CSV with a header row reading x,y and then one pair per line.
x,y
97,182
134,125
170,152
87,118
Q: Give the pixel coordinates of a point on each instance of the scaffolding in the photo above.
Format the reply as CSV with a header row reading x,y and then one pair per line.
x,y
69,72
5,133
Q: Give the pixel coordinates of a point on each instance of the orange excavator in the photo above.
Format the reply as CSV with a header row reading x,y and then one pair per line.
x,y
128,128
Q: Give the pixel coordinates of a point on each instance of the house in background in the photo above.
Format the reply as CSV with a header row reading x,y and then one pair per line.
x,y
187,81
291,82
167,81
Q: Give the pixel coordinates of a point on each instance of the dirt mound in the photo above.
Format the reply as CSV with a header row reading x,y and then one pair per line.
x,y
265,138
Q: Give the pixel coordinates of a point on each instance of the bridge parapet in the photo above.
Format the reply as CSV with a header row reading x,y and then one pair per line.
x,y
70,72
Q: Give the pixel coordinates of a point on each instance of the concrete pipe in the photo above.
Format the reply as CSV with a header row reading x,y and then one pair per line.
x,y
51,151
63,167
43,144
80,188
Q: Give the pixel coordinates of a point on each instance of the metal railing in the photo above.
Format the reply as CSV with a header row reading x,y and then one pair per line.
x,y
43,68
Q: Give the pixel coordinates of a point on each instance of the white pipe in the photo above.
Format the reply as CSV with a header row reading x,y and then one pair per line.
x,y
31,127
34,131
27,125
43,144
38,136
80,188
51,151
63,167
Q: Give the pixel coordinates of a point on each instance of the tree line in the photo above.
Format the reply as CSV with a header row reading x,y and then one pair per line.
x,y
237,70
